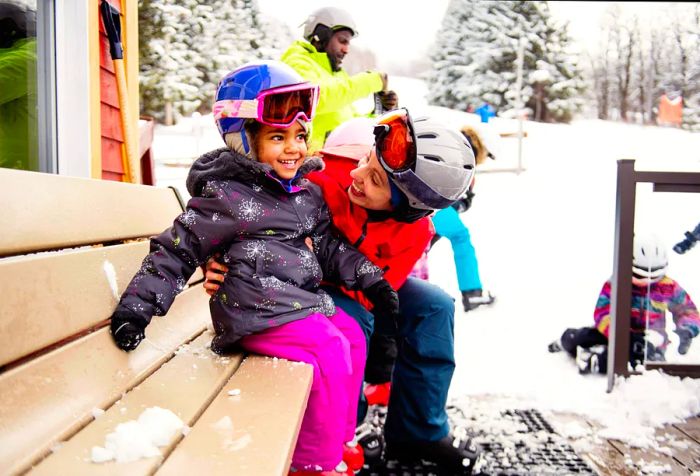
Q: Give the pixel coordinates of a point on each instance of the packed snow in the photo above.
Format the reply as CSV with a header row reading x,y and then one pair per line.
x,y
140,438
544,239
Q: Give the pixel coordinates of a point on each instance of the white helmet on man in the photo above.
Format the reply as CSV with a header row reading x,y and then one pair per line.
x,y
649,260
332,18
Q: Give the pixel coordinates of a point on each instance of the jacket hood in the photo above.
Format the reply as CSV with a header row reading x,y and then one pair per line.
x,y
224,164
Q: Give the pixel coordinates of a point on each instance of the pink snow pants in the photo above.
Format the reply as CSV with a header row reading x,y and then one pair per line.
x,y
335,347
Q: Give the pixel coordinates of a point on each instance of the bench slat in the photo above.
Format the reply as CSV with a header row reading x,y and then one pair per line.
x,y
71,211
265,420
49,297
186,384
49,398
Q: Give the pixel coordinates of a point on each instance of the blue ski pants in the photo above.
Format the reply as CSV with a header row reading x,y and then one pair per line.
x,y
448,224
425,362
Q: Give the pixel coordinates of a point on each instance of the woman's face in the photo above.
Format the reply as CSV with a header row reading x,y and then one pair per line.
x,y
370,185
283,149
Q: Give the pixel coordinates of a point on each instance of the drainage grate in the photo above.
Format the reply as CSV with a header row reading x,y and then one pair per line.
x,y
528,446
515,443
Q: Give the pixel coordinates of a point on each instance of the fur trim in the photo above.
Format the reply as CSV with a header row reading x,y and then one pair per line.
x,y
478,147
225,164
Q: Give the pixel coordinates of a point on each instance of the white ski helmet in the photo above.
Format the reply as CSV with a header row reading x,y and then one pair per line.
x,y
332,18
443,169
649,259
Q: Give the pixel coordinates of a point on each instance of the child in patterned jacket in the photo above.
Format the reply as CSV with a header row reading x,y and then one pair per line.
x,y
252,204
653,293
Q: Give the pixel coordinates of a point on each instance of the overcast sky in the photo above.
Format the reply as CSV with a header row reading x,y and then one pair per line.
x,y
404,30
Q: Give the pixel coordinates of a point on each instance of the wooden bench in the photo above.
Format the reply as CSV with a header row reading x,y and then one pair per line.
x,y
68,248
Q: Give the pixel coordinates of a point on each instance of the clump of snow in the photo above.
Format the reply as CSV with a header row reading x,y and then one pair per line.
x,y
235,392
224,424
111,274
136,439
97,412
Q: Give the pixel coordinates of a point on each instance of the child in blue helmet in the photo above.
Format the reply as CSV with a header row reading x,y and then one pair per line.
x,y
252,205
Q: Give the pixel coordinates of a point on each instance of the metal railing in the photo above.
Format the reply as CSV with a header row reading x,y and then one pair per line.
x,y
621,293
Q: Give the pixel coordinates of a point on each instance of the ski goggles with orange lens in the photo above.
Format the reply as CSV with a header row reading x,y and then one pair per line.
x,y
395,141
276,107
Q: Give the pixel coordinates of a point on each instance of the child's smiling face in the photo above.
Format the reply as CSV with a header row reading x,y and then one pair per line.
x,y
283,149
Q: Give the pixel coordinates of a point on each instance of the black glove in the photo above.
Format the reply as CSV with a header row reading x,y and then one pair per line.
x,y
127,329
463,204
385,301
691,237
389,100
686,338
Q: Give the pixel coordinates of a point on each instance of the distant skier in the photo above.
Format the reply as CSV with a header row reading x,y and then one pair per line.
x,y
486,112
449,224
653,292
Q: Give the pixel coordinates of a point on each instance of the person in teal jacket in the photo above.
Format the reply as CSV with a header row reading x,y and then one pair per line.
x,y
18,92
328,32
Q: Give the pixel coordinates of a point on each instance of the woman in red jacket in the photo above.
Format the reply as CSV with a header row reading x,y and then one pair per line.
x,y
381,181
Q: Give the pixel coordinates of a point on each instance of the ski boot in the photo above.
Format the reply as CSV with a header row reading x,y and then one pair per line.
x,y
475,298
378,394
592,360
370,436
459,457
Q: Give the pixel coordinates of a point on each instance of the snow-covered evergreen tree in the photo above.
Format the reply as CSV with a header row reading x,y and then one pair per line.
x,y
187,46
169,79
691,106
475,59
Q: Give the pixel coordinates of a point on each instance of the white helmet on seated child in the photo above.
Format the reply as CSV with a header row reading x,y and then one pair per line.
x,y
649,260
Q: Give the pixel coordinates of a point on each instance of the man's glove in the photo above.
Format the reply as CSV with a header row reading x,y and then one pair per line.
x,y
691,237
385,301
127,329
686,338
389,100
463,204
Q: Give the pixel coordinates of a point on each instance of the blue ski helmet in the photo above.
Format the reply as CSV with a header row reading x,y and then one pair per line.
x,y
248,83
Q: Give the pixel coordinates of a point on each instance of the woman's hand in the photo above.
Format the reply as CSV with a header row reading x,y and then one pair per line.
x,y
214,275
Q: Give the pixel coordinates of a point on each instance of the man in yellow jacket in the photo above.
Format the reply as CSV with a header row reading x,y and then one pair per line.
x,y
328,32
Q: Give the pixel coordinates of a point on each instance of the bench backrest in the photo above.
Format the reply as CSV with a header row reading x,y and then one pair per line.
x,y
64,263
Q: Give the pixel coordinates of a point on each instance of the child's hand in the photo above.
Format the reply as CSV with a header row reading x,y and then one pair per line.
x,y
214,276
126,332
385,301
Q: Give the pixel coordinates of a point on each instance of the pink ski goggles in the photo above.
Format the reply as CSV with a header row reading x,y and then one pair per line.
x,y
276,107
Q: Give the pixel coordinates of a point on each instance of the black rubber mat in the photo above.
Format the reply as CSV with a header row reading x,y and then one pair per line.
x,y
532,449
535,449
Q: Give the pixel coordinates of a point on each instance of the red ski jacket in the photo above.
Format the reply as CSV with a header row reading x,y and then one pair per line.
x,y
393,246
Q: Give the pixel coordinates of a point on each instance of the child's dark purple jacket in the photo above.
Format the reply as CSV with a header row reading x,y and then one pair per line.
x,y
240,210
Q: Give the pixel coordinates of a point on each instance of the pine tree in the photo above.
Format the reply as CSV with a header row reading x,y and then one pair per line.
x,y
691,106
475,59
169,80
187,46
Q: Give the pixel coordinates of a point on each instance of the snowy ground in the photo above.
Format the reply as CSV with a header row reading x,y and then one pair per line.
x,y
544,239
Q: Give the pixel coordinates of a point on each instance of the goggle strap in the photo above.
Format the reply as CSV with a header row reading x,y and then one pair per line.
x,y
236,108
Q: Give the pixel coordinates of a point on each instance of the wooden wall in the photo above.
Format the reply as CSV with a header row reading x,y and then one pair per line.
x,y
108,136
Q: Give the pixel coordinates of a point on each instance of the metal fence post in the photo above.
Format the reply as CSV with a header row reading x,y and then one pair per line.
x,y
621,292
